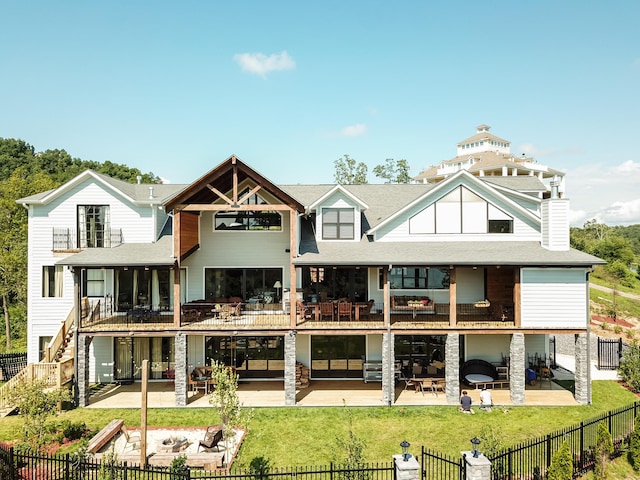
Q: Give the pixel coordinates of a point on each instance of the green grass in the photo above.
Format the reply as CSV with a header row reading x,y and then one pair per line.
x,y
307,436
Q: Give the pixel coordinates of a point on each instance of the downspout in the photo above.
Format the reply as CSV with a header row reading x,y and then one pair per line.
x,y
76,295
387,317
588,307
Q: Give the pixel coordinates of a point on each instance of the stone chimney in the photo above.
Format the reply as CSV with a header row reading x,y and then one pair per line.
x,y
555,220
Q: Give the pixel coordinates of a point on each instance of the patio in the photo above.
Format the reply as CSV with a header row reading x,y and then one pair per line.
x,y
320,393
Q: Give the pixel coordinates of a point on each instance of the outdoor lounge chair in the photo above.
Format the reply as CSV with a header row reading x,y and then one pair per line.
x,y
212,437
132,439
326,310
344,310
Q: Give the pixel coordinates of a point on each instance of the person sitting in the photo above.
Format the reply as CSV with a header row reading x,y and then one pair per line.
x,y
531,376
486,402
465,403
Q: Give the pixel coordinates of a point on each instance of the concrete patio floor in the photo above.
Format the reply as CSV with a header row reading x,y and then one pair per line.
x,y
320,393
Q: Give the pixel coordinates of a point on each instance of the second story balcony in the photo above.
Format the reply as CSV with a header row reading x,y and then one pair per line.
x,y
68,239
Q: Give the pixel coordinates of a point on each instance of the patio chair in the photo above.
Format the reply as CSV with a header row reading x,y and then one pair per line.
x,y
212,438
344,310
132,439
365,313
303,312
326,310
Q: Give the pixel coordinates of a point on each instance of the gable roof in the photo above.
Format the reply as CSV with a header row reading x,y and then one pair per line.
x,y
224,178
137,193
339,189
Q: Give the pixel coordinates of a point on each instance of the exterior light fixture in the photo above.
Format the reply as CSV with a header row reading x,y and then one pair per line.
x,y
405,450
475,442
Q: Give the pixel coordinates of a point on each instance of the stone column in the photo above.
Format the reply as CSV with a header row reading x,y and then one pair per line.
x,y
478,468
517,377
388,370
82,382
583,366
406,470
290,367
182,367
452,370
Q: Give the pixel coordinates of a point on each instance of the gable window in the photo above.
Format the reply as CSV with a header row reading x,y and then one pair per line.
x,y
52,280
416,278
93,226
338,223
460,211
255,220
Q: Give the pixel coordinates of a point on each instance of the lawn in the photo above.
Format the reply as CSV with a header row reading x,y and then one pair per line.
x,y
307,436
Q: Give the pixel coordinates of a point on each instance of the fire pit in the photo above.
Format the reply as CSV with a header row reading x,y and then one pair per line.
x,y
172,444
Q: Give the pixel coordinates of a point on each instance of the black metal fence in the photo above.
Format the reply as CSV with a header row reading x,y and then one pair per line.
x,y
531,459
11,364
437,466
609,353
33,466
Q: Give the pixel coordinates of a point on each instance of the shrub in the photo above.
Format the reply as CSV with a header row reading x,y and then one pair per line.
x,y
179,465
617,329
630,333
630,366
561,467
604,326
604,449
634,446
73,430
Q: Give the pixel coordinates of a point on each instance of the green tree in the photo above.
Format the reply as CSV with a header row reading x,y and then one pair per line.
x,y
629,369
393,171
13,239
561,467
36,402
612,248
225,398
349,172
634,446
351,448
604,449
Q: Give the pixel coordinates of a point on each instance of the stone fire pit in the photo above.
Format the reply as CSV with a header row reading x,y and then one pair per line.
x,y
172,444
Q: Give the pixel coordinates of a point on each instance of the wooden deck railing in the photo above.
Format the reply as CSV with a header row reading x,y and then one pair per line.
x,y
58,341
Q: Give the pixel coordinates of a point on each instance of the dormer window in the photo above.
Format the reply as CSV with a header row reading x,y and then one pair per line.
x,y
338,224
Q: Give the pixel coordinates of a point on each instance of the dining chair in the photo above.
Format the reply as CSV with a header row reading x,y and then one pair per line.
x,y
326,310
344,310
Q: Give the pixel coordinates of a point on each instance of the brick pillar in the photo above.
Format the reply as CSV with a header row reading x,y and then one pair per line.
x,y
388,370
517,377
182,374
82,382
290,368
478,468
452,372
582,373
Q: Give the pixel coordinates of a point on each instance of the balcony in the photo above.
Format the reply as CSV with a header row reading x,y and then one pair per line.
x,y
67,239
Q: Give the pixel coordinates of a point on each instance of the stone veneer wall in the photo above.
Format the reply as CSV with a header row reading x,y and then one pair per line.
x,y
582,390
388,370
290,368
517,377
182,375
82,382
452,372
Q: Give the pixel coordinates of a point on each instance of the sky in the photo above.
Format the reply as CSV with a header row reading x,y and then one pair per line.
x,y
175,88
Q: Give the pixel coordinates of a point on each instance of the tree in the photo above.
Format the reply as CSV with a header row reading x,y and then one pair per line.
x,y
561,467
629,369
348,172
634,446
352,449
225,398
604,449
36,403
393,171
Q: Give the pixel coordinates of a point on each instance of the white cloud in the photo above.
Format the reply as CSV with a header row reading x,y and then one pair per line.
x,y
609,194
261,64
354,130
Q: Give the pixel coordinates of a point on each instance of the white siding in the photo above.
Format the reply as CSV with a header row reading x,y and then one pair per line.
x,y
374,348
487,347
303,349
236,249
555,224
554,298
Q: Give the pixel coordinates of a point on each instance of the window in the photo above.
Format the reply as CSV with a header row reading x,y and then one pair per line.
x,y
52,281
93,226
460,211
416,278
338,223
43,343
95,282
256,220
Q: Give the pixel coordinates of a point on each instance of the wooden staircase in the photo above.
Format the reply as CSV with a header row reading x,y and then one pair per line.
x,y
56,369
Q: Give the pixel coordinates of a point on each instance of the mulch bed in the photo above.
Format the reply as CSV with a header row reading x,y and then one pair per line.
x,y
599,319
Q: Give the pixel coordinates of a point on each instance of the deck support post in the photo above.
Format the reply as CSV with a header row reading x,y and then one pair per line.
x,y
290,366
583,364
452,372
181,370
517,377
82,380
388,370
